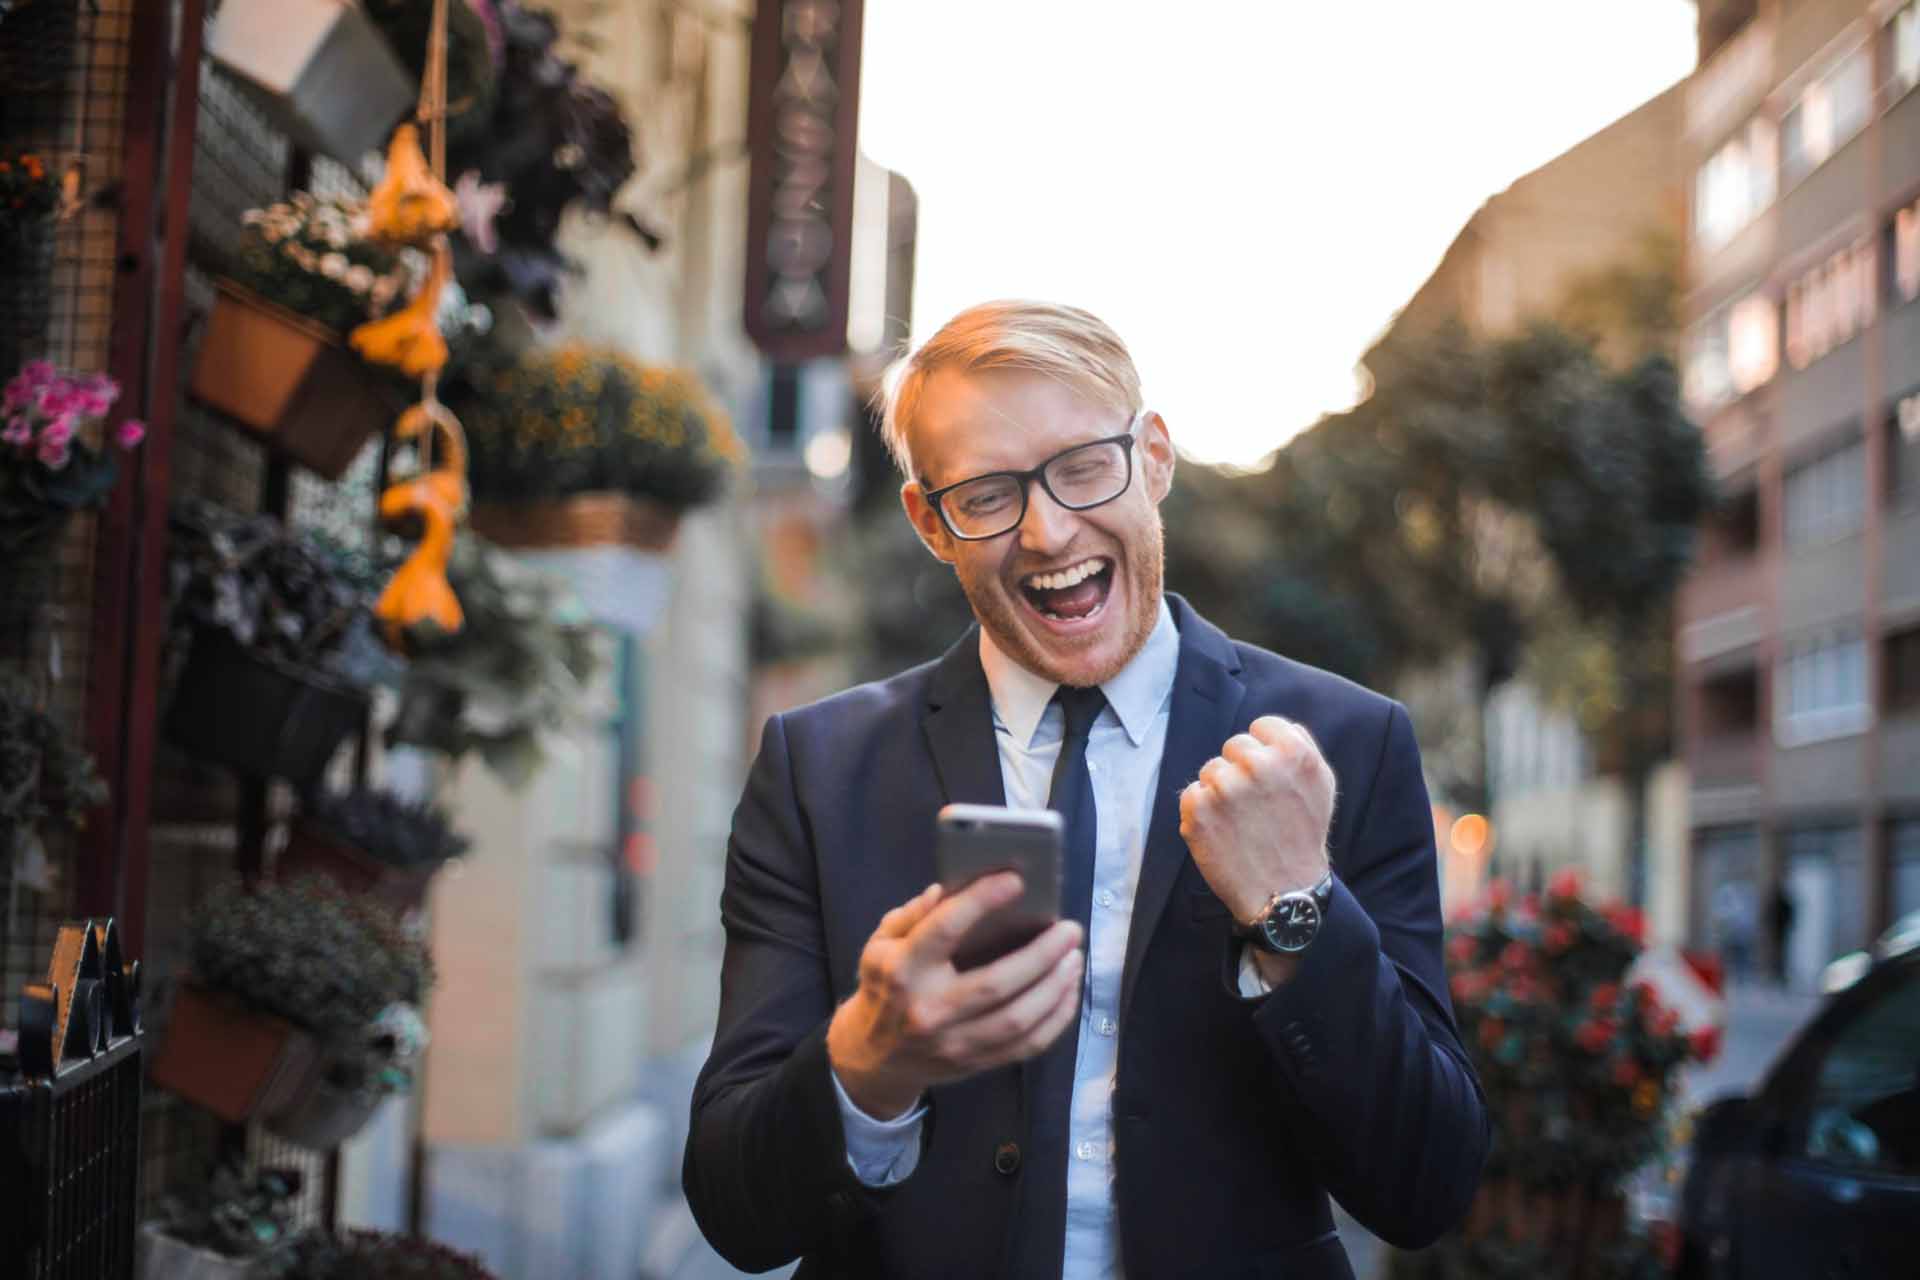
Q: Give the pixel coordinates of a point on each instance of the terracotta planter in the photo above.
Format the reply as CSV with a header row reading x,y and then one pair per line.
x,y
319,69
289,381
231,1060
257,716
583,520
312,849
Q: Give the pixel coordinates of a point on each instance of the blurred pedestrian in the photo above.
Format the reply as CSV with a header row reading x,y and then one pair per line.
x,y
1780,923
1243,1008
1735,926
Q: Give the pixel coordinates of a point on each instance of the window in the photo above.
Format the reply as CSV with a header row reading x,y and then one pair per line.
x,y
1828,306
1905,235
1826,115
1903,671
1735,184
1903,48
1864,1112
1733,351
1826,498
1822,691
1903,446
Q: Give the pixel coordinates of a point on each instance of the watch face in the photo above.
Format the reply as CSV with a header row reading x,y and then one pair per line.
x,y
1293,923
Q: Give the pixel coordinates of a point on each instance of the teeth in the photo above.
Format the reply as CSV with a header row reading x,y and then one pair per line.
x,y
1066,577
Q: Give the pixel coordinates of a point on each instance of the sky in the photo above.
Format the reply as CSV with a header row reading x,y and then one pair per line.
x,y
1246,190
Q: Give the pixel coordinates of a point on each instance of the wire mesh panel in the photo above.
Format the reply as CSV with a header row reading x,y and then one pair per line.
x,y
70,1155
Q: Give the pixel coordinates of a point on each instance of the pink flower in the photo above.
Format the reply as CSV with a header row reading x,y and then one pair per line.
x,y
131,433
37,373
19,432
58,433
102,387
53,456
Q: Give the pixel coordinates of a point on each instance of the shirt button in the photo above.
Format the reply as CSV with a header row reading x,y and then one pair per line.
x,y
1104,897
1086,1151
1107,1026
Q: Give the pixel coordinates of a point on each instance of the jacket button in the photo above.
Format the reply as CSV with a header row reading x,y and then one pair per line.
x,y
1006,1158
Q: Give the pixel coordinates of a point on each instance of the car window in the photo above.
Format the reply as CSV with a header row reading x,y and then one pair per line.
x,y
1865,1111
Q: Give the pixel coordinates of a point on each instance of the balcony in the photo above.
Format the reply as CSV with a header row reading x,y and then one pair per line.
x,y
1725,759
1719,607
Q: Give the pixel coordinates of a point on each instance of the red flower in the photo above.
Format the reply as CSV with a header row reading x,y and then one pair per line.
x,y
1530,906
1492,1031
1629,921
1514,955
1626,1073
1558,937
1564,885
1705,1043
1666,1021
1498,895
1644,992
1595,1034
1460,950
1605,997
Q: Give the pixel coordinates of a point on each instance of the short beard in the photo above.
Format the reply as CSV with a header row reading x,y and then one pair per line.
x,y
1145,567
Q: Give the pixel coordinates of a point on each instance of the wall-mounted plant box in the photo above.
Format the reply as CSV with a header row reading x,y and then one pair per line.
x,y
319,69
229,1059
289,381
258,716
313,849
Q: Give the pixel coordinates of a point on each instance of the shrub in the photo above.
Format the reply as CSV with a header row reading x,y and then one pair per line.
x,y
398,832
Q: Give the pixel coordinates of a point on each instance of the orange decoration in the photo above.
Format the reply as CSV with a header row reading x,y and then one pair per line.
x,y
419,590
411,205
409,340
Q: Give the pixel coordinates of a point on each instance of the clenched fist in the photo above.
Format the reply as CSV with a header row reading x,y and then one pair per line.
x,y
1256,820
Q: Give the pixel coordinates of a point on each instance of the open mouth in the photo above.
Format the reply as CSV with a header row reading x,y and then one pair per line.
x,y
1073,594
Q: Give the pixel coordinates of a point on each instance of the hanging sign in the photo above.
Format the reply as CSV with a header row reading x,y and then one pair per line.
x,y
801,137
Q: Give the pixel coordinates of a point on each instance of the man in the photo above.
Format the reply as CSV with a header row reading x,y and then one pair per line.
x,y
1243,1008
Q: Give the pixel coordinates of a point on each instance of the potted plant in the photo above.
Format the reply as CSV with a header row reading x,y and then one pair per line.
x,y
373,842
373,1255
47,472
319,69
299,1010
473,57
1578,1062
517,668
45,776
578,446
239,1228
29,199
277,642
273,358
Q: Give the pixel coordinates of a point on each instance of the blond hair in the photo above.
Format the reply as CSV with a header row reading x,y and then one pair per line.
x,y
1062,342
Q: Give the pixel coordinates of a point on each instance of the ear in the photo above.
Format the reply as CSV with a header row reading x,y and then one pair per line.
x,y
926,521
1156,457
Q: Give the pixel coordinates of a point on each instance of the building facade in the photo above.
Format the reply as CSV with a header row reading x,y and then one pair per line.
x,y
1799,630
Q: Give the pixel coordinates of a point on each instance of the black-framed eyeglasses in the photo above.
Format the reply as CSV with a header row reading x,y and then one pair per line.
x,y
1079,479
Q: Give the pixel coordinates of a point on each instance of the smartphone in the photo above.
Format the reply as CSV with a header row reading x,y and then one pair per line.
x,y
973,840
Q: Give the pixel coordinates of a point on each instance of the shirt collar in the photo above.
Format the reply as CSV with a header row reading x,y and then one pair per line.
x,y
1136,694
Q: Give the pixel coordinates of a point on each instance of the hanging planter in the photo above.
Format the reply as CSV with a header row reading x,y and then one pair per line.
x,y
322,1115
584,520
260,716
319,69
289,381
230,1058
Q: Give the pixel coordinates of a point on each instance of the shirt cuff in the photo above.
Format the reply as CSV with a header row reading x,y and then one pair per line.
x,y
1253,983
881,1152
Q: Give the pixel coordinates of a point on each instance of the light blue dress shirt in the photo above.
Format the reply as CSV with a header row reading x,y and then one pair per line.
x,y
1123,762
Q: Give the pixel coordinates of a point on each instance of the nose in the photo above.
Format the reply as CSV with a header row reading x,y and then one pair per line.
x,y
1047,526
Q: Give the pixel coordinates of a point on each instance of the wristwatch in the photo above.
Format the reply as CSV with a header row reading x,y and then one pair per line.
x,y
1291,921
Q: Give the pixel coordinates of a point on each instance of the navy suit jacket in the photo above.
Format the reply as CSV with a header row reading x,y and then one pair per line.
x,y
1233,1119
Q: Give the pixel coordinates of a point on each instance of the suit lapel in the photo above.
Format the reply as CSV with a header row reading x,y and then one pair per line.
x,y
959,727
1207,694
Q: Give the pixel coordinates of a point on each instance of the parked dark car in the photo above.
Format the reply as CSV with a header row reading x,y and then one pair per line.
x,y
1817,1174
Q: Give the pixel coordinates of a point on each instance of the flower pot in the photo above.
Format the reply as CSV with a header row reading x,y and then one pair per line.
x,y
290,382
312,849
230,1059
319,69
322,1115
582,520
161,1257
259,716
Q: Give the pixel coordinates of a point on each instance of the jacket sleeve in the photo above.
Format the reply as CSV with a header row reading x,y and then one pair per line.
x,y
1364,1032
766,1171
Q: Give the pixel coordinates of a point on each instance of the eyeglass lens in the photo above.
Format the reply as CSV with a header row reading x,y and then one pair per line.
x,y
1081,478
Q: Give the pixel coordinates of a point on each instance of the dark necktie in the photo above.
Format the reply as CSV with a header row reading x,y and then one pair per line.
x,y
1040,1234
1071,796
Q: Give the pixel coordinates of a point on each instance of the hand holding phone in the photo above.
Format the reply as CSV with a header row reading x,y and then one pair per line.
x,y
973,840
